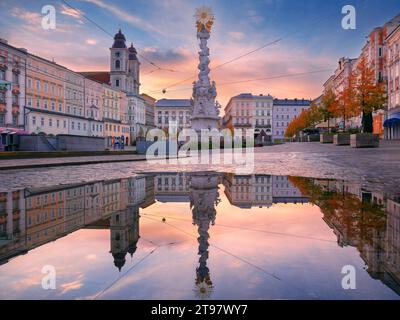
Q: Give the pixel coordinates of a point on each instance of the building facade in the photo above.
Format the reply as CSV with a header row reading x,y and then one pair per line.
x,y
93,106
137,117
116,128
262,119
392,124
45,97
238,112
284,111
12,86
149,103
173,111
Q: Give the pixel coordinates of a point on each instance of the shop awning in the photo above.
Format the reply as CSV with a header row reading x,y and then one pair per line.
x,y
394,119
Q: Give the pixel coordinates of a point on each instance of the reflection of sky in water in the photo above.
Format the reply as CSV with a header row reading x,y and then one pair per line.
x,y
285,251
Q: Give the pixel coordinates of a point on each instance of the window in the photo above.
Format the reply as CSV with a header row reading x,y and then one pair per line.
x,y
58,123
29,83
73,125
2,75
117,64
65,124
34,120
15,120
117,83
2,97
15,78
42,122
15,99
38,85
50,122
45,87
2,119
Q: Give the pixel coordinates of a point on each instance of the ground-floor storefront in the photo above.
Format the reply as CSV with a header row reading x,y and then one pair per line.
x,y
392,126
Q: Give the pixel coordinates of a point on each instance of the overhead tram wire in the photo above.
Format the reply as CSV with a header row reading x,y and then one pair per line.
x,y
363,2
112,36
259,79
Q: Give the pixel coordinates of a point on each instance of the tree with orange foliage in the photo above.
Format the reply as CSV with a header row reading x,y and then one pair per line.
x,y
346,106
307,118
370,95
329,101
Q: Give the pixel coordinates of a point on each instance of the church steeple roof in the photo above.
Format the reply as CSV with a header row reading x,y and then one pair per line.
x,y
132,52
119,40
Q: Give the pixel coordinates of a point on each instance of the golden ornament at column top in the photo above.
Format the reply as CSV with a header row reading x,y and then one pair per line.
x,y
204,18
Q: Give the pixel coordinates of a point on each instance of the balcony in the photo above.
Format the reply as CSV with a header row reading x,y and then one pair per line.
x,y
15,108
243,125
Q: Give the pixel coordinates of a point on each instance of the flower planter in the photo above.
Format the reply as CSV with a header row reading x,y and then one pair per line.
x,y
342,139
326,138
364,140
313,138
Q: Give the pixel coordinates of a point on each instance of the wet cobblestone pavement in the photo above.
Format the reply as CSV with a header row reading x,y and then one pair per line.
x,y
368,166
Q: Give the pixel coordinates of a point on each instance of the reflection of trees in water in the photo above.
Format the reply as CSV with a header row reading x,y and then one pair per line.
x,y
357,221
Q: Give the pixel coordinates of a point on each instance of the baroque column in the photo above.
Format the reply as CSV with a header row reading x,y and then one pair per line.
x,y
203,199
205,110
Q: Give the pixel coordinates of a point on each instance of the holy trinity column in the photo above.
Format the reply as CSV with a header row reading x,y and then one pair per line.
x,y
203,199
205,109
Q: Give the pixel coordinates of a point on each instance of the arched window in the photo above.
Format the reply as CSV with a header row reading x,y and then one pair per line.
x,y
117,64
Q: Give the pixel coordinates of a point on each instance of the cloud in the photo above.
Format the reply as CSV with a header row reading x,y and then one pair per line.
x,y
166,55
91,42
75,13
30,17
236,35
123,15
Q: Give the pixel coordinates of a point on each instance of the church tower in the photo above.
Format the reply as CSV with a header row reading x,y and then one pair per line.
x,y
133,71
124,66
119,63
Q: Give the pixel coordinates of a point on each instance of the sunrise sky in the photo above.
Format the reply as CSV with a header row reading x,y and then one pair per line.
x,y
164,32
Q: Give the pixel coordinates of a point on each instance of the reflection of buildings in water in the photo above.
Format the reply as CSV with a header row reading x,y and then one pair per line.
x,y
365,220
171,187
247,191
203,199
369,221
124,234
32,217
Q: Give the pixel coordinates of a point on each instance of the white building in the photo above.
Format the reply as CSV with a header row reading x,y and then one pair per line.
x,y
284,111
392,124
137,117
168,111
93,92
12,86
262,118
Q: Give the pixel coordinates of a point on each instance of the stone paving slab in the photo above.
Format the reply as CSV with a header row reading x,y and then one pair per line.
x,y
68,161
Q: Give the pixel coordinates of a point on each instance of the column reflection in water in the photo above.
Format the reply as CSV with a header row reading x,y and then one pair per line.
x,y
203,200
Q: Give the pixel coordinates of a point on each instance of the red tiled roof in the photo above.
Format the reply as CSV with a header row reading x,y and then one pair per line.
x,y
100,76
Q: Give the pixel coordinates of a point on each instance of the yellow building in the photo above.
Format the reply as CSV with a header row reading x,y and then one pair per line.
x,y
45,109
116,127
